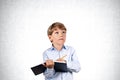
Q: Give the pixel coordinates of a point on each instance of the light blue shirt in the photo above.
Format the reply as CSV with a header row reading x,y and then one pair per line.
x,y
73,64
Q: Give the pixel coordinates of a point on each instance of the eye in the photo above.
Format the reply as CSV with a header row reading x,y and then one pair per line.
x,y
64,32
56,32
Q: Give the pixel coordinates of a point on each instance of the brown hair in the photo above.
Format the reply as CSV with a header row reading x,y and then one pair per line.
x,y
54,26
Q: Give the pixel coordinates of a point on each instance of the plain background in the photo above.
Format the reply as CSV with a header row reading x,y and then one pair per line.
x,y
93,30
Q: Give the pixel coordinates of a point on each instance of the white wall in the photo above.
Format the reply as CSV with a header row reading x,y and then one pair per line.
x,y
93,30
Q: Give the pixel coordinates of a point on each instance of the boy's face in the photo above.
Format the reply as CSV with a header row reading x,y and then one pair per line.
x,y
58,37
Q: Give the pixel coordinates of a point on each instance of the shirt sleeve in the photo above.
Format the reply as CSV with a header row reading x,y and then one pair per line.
x,y
49,72
73,63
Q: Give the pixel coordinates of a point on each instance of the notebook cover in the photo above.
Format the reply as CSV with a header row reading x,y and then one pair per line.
x,y
60,67
38,69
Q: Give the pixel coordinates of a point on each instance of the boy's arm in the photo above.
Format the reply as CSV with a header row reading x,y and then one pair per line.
x,y
73,64
49,72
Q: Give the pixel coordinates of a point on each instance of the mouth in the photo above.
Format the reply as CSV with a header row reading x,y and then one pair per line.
x,y
61,39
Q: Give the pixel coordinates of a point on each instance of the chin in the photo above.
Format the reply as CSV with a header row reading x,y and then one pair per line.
x,y
61,43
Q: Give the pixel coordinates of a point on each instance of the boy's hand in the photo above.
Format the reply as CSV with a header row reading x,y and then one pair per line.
x,y
49,63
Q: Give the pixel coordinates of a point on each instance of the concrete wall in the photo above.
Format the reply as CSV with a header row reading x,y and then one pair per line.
x,y
93,30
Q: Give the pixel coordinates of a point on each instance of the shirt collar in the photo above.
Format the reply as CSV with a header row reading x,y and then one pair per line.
x,y
53,48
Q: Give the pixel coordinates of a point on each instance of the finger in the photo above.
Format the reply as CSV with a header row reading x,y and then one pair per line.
x,y
44,64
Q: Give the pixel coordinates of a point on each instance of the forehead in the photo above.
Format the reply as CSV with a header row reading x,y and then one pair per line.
x,y
57,29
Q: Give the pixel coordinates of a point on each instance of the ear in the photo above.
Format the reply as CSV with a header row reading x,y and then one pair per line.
x,y
50,37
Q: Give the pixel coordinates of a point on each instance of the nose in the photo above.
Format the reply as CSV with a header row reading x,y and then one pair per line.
x,y
61,34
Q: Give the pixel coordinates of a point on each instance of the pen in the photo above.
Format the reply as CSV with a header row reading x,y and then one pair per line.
x,y
63,56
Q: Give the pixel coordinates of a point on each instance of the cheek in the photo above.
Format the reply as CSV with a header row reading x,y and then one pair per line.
x,y
64,37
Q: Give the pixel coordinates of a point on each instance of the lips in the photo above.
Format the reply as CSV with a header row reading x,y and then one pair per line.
x,y
61,39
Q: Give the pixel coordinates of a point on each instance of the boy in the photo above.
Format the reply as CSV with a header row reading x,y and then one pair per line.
x,y
59,52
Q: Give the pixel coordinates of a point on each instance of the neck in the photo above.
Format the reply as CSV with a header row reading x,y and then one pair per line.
x,y
58,47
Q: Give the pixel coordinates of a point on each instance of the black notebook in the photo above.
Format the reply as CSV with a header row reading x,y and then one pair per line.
x,y
59,67
38,69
